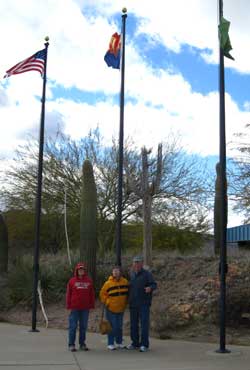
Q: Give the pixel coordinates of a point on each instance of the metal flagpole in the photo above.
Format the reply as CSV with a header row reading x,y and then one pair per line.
x,y
223,195
121,133
38,197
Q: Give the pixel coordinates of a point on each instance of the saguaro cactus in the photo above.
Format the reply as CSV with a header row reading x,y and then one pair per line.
x,y
88,220
3,246
217,210
148,186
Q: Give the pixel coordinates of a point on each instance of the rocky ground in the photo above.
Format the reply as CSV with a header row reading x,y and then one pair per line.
x,y
185,305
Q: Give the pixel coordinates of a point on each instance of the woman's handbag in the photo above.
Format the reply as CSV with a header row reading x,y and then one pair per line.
x,y
104,326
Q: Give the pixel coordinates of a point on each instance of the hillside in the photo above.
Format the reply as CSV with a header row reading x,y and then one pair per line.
x,y
185,305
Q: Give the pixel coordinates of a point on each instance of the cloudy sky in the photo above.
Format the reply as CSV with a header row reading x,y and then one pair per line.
x,y
171,77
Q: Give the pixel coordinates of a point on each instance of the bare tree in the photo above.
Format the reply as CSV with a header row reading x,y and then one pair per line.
x,y
239,175
165,185
62,168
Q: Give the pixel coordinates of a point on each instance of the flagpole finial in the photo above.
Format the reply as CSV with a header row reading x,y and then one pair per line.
x,y
46,38
124,10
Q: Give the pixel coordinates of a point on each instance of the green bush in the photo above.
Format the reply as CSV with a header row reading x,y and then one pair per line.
x,y
20,225
55,270
132,239
165,238
54,280
54,275
171,238
5,302
20,281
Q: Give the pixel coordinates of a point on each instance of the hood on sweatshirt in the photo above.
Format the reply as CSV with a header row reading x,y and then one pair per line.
x,y
112,278
78,266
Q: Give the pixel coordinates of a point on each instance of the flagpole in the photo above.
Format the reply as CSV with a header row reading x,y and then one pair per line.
x,y
39,196
223,195
121,134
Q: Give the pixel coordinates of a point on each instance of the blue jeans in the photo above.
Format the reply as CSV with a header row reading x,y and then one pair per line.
x,y
76,316
116,321
139,315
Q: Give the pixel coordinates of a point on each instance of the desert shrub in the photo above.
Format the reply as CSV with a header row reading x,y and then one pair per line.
x,y
165,238
132,236
54,273
171,238
5,302
54,279
20,281
53,276
101,276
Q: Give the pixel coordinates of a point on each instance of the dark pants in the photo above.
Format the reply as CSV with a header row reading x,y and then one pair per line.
x,y
139,316
116,321
75,317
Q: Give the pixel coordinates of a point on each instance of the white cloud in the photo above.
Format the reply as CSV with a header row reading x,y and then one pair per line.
x,y
247,106
163,101
78,42
193,22
197,122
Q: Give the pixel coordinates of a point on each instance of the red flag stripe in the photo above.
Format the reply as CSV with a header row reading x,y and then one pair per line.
x,y
33,63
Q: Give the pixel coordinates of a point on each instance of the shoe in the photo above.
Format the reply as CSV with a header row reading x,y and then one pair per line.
x,y
83,347
111,347
131,346
120,346
72,348
143,349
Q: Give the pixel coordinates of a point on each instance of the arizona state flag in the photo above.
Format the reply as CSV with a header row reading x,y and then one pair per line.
x,y
112,56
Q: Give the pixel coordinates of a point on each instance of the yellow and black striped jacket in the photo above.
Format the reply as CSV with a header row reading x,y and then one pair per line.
x,y
114,294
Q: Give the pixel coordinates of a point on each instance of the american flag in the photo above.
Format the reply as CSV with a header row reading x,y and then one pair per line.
x,y
33,63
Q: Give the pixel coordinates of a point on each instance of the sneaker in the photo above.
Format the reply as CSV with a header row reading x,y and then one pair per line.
x,y
111,347
143,349
120,346
72,348
83,347
131,346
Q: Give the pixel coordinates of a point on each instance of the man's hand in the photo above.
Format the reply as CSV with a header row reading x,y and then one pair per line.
x,y
148,289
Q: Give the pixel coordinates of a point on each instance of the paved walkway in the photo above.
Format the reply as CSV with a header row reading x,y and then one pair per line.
x,y
47,350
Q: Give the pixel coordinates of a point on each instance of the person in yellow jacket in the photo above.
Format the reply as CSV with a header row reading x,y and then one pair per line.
x,y
114,295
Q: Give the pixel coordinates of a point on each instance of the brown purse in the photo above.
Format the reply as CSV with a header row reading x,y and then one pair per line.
x,y
104,326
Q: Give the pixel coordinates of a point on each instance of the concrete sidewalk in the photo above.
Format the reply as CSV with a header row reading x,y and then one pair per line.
x,y
20,349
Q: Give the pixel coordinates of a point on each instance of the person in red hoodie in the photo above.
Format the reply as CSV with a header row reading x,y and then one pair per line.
x,y
80,298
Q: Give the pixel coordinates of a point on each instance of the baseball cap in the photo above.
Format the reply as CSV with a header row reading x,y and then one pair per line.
x,y
138,259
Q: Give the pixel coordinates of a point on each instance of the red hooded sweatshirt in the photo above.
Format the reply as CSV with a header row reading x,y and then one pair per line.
x,y
80,291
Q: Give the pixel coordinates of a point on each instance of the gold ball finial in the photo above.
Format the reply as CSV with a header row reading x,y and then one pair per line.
x,y
46,38
124,10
